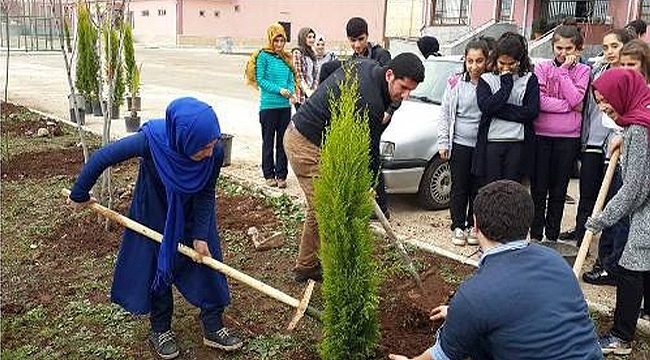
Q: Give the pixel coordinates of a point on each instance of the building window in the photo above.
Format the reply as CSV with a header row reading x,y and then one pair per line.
x,y
644,11
585,11
217,13
202,13
162,12
145,13
237,8
450,12
505,10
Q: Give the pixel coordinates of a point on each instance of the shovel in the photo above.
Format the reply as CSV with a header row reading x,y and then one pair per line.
x,y
598,207
302,305
396,241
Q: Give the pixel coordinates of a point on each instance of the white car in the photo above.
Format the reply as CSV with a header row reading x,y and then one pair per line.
x,y
409,146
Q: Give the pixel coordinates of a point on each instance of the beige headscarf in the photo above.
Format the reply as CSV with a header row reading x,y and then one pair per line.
x,y
273,31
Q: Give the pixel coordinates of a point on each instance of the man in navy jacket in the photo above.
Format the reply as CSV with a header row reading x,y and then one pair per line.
x,y
523,302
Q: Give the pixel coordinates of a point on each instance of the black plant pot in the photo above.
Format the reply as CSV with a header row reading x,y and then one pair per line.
x,y
116,111
82,116
80,104
89,107
97,108
134,103
132,123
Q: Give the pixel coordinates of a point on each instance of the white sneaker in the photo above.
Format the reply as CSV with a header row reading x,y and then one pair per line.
x,y
459,238
471,237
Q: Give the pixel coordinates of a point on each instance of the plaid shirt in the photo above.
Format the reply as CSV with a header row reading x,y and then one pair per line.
x,y
305,71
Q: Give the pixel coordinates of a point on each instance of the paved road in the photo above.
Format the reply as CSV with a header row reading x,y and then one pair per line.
x,y
38,80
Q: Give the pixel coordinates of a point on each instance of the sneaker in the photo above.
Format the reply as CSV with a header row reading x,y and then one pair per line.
x,y
611,344
459,238
222,339
282,184
568,235
471,237
164,344
271,182
598,276
303,274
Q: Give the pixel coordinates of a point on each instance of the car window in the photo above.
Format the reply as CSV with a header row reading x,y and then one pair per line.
x,y
436,74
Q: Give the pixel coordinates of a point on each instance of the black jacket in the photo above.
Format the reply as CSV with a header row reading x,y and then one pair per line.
x,y
496,105
314,116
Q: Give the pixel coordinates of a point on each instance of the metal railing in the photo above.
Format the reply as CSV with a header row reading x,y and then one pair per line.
x,y
585,11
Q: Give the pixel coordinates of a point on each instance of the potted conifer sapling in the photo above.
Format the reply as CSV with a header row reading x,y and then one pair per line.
x,y
132,121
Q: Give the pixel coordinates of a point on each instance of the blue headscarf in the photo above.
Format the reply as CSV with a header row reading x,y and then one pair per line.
x,y
189,126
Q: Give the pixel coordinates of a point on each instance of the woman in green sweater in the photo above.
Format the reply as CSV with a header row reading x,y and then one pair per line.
x,y
273,74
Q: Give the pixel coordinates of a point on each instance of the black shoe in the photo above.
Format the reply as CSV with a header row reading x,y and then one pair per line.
x,y
568,235
222,339
164,344
598,277
303,274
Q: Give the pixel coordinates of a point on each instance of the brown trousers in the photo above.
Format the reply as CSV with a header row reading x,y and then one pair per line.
x,y
304,158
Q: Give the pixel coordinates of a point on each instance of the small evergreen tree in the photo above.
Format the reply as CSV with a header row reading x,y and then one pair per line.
x,y
85,77
129,59
343,208
114,66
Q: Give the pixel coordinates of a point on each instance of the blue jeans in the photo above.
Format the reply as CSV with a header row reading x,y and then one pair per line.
x,y
162,309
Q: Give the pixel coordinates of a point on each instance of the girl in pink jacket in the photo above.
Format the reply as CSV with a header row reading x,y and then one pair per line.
x,y
563,83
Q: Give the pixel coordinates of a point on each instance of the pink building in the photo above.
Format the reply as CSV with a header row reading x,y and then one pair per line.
x,y
244,22
448,18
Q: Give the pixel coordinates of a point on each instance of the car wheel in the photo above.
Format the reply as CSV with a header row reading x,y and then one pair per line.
x,y
435,186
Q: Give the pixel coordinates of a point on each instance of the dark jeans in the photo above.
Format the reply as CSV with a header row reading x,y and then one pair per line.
x,y
554,159
274,124
504,161
629,292
592,170
464,187
162,308
613,239
380,187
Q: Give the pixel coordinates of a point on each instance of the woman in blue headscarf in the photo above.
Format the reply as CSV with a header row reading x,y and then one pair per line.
x,y
180,158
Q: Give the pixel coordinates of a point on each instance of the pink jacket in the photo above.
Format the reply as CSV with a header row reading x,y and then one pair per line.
x,y
561,95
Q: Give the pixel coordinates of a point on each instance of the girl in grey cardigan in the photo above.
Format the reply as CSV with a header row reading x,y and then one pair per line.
x,y
460,117
623,95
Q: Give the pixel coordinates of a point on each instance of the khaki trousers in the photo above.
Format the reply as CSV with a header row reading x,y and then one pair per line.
x,y
304,158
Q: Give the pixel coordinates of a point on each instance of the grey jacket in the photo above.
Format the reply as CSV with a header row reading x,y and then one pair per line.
x,y
633,200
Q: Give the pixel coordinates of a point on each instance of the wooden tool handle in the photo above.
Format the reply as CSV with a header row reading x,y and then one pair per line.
x,y
598,207
208,261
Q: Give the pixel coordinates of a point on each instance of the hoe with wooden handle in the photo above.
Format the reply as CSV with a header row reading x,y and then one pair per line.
x,y
302,305
598,207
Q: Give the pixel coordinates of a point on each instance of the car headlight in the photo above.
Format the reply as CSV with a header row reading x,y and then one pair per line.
x,y
387,149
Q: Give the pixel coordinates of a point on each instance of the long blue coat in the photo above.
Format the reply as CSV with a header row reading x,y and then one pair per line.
x,y
138,256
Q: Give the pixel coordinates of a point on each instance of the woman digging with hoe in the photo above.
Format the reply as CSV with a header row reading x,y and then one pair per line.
x,y
180,159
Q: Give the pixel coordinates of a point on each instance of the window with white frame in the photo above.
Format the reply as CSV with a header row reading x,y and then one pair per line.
x,y
505,10
644,10
144,13
162,12
450,12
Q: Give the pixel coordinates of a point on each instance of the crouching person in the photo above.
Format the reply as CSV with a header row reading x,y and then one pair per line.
x,y
180,158
523,302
